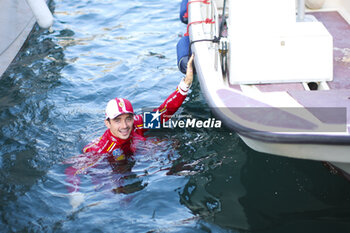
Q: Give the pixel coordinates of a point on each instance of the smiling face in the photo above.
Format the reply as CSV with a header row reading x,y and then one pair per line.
x,y
121,126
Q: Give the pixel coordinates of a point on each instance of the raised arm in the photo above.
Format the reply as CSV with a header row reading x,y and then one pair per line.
x,y
173,102
189,72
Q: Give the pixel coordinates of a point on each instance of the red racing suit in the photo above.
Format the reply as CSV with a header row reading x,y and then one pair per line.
x,y
116,149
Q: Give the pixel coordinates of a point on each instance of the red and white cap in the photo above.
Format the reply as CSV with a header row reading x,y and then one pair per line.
x,y
117,107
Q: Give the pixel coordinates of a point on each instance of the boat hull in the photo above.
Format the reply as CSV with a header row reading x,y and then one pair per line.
x,y
315,143
335,154
321,147
16,23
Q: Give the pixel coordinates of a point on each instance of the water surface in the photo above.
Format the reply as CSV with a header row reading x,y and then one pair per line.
x,y
52,101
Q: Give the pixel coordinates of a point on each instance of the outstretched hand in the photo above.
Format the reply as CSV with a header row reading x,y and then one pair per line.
x,y
189,73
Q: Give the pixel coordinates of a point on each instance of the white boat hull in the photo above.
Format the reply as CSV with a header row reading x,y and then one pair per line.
x,y
318,146
16,23
335,154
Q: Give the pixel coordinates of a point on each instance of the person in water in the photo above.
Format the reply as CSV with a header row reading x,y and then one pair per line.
x,y
124,131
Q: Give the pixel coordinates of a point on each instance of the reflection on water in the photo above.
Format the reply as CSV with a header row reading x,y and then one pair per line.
x,y
52,101
27,132
256,192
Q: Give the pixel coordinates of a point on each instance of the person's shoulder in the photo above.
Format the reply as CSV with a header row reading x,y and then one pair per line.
x,y
95,145
92,146
138,121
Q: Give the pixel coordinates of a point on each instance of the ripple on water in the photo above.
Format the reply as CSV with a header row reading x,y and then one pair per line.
x,y
52,101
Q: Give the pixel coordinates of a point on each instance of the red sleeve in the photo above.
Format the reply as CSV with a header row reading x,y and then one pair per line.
x,y
167,108
72,179
79,164
138,125
170,105
98,145
92,146
173,102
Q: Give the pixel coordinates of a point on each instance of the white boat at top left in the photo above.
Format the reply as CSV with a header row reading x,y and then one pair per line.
x,y
17,18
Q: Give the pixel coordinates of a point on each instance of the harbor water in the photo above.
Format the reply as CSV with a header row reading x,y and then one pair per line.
x,y
52,101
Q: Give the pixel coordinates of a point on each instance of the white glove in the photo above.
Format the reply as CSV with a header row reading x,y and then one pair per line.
x,y
75,199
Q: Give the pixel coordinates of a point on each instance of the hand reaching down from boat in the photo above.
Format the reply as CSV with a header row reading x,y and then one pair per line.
x,y
189,72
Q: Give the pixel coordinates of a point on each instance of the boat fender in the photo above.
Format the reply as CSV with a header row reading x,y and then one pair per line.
x,y
183,53
41,12
183,11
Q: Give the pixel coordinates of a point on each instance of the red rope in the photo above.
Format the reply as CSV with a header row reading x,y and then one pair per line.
x,y
202,1
207,21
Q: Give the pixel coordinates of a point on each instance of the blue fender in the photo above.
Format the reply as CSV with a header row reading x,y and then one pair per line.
x,y
183,53
183,11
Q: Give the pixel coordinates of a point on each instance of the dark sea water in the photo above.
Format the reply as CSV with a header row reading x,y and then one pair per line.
x,y
52,101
